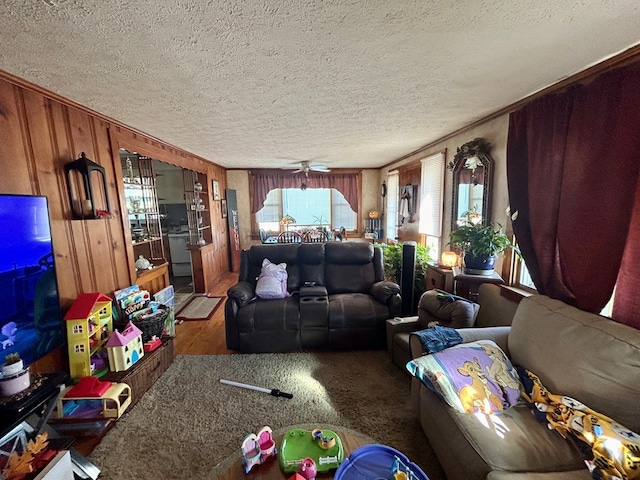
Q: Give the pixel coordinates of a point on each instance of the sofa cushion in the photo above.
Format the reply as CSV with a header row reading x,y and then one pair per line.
x,y
446,310
273,315
470,446
349,267
276,253
356,310
311,258
472,377
581,355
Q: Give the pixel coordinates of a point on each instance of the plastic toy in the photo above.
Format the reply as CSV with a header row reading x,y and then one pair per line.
x,y
90,400
89,323
324,447
308,469
257,447
379,461
125,348
273,391
323,441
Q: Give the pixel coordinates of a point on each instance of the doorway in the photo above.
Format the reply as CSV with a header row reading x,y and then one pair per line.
x,y
173,212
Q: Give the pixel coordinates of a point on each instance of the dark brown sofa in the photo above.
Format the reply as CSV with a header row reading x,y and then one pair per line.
x,y
338,299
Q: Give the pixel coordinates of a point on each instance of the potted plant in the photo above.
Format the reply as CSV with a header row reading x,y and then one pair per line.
x,y
392,260
480,243
15,377
12,364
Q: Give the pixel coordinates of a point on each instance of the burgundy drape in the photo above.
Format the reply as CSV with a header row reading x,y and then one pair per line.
x,y
266,180
626,304
572,170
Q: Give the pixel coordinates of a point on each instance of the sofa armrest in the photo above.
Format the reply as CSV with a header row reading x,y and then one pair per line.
x,y
497,334
400,325
384,290
242,293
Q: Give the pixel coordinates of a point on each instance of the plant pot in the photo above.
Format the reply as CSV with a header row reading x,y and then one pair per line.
x,y
480,265
11,369
15,384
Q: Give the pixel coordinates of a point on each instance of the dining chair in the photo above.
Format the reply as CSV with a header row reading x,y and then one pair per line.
x,y
290,237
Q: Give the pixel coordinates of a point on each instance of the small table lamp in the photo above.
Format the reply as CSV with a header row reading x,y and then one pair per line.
x,y
449,259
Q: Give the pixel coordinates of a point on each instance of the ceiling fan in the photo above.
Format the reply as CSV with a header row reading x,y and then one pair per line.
x,y
306,166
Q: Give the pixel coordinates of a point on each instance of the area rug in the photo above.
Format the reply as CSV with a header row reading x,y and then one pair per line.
x,y
199,308
188,422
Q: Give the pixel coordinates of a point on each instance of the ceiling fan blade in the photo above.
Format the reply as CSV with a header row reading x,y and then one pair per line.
x,y
320,168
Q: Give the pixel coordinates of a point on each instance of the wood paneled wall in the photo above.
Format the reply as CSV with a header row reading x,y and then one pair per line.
x,y
39,134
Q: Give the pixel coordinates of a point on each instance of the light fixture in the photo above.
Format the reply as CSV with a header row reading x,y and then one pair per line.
x,y
82,175
449,259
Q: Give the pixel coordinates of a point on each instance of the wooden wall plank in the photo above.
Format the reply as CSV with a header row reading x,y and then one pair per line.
x,y
15,177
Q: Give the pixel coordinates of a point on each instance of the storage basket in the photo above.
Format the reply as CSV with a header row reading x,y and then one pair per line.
x,y
152,325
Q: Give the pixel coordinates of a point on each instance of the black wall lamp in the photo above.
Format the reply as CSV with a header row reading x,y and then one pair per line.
x,y
81,174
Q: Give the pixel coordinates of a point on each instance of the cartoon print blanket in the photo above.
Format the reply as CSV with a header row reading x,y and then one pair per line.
x,y
615,449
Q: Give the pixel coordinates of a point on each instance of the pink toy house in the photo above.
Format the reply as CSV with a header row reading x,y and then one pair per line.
x,y
125,348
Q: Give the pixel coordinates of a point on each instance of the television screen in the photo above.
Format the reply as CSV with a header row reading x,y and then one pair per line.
x,y
30,314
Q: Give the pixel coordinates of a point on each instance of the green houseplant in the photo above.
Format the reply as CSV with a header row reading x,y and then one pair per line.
x,y
481,244
392,260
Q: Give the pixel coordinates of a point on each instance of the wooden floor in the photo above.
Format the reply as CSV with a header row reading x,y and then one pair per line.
x,y
206,338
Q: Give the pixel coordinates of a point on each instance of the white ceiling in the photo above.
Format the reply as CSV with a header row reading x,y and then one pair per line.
x,y
346,83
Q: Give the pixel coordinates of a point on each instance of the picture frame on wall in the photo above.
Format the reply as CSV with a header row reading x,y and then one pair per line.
x,y
216,190
224,208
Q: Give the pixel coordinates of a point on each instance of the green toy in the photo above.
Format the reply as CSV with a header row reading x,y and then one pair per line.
x,y
323,446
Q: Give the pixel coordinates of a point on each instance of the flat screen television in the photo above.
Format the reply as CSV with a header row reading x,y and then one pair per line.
x,y
30,315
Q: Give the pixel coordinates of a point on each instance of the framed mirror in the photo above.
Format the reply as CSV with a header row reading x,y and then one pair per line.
x,y
472,173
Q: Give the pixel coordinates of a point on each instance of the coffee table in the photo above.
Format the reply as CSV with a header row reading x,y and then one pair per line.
x,y
232,469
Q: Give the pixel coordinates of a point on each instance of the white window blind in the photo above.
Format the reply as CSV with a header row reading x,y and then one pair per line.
x,y
393,192
431,191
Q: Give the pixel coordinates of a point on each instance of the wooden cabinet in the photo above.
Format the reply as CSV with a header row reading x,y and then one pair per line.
x,y
142,207
440,278
198,215
467,285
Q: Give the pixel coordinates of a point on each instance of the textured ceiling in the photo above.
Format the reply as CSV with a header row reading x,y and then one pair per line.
x,y
346,83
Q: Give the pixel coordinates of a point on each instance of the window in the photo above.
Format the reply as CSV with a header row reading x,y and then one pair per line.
x,y
431,205
78,348
77,329
310,207
522,277
393,194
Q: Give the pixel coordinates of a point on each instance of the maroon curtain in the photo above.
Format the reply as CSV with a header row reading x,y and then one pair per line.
x,y
572,170
266,180
626,304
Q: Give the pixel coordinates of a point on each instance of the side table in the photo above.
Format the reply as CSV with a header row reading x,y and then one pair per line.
x,y
439,278
467,285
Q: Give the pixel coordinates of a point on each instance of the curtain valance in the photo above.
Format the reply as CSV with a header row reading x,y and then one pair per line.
x,y
266,180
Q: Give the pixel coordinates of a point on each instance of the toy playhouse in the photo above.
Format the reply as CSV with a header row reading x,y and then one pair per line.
x,y
125,348
89,324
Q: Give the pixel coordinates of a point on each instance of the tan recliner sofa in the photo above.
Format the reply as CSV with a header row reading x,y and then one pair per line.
x,y
582,355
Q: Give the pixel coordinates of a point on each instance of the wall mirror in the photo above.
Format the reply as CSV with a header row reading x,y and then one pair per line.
x,y
472,169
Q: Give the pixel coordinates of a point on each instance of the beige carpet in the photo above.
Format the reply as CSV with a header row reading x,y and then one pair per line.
x,y
189,422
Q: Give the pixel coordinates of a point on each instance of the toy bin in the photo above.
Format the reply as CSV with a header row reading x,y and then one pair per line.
x,y
378,461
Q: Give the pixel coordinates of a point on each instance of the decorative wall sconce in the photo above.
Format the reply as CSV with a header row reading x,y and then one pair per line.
x,y
80,174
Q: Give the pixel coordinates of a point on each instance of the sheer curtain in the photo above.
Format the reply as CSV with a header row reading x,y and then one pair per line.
x,y
572,169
